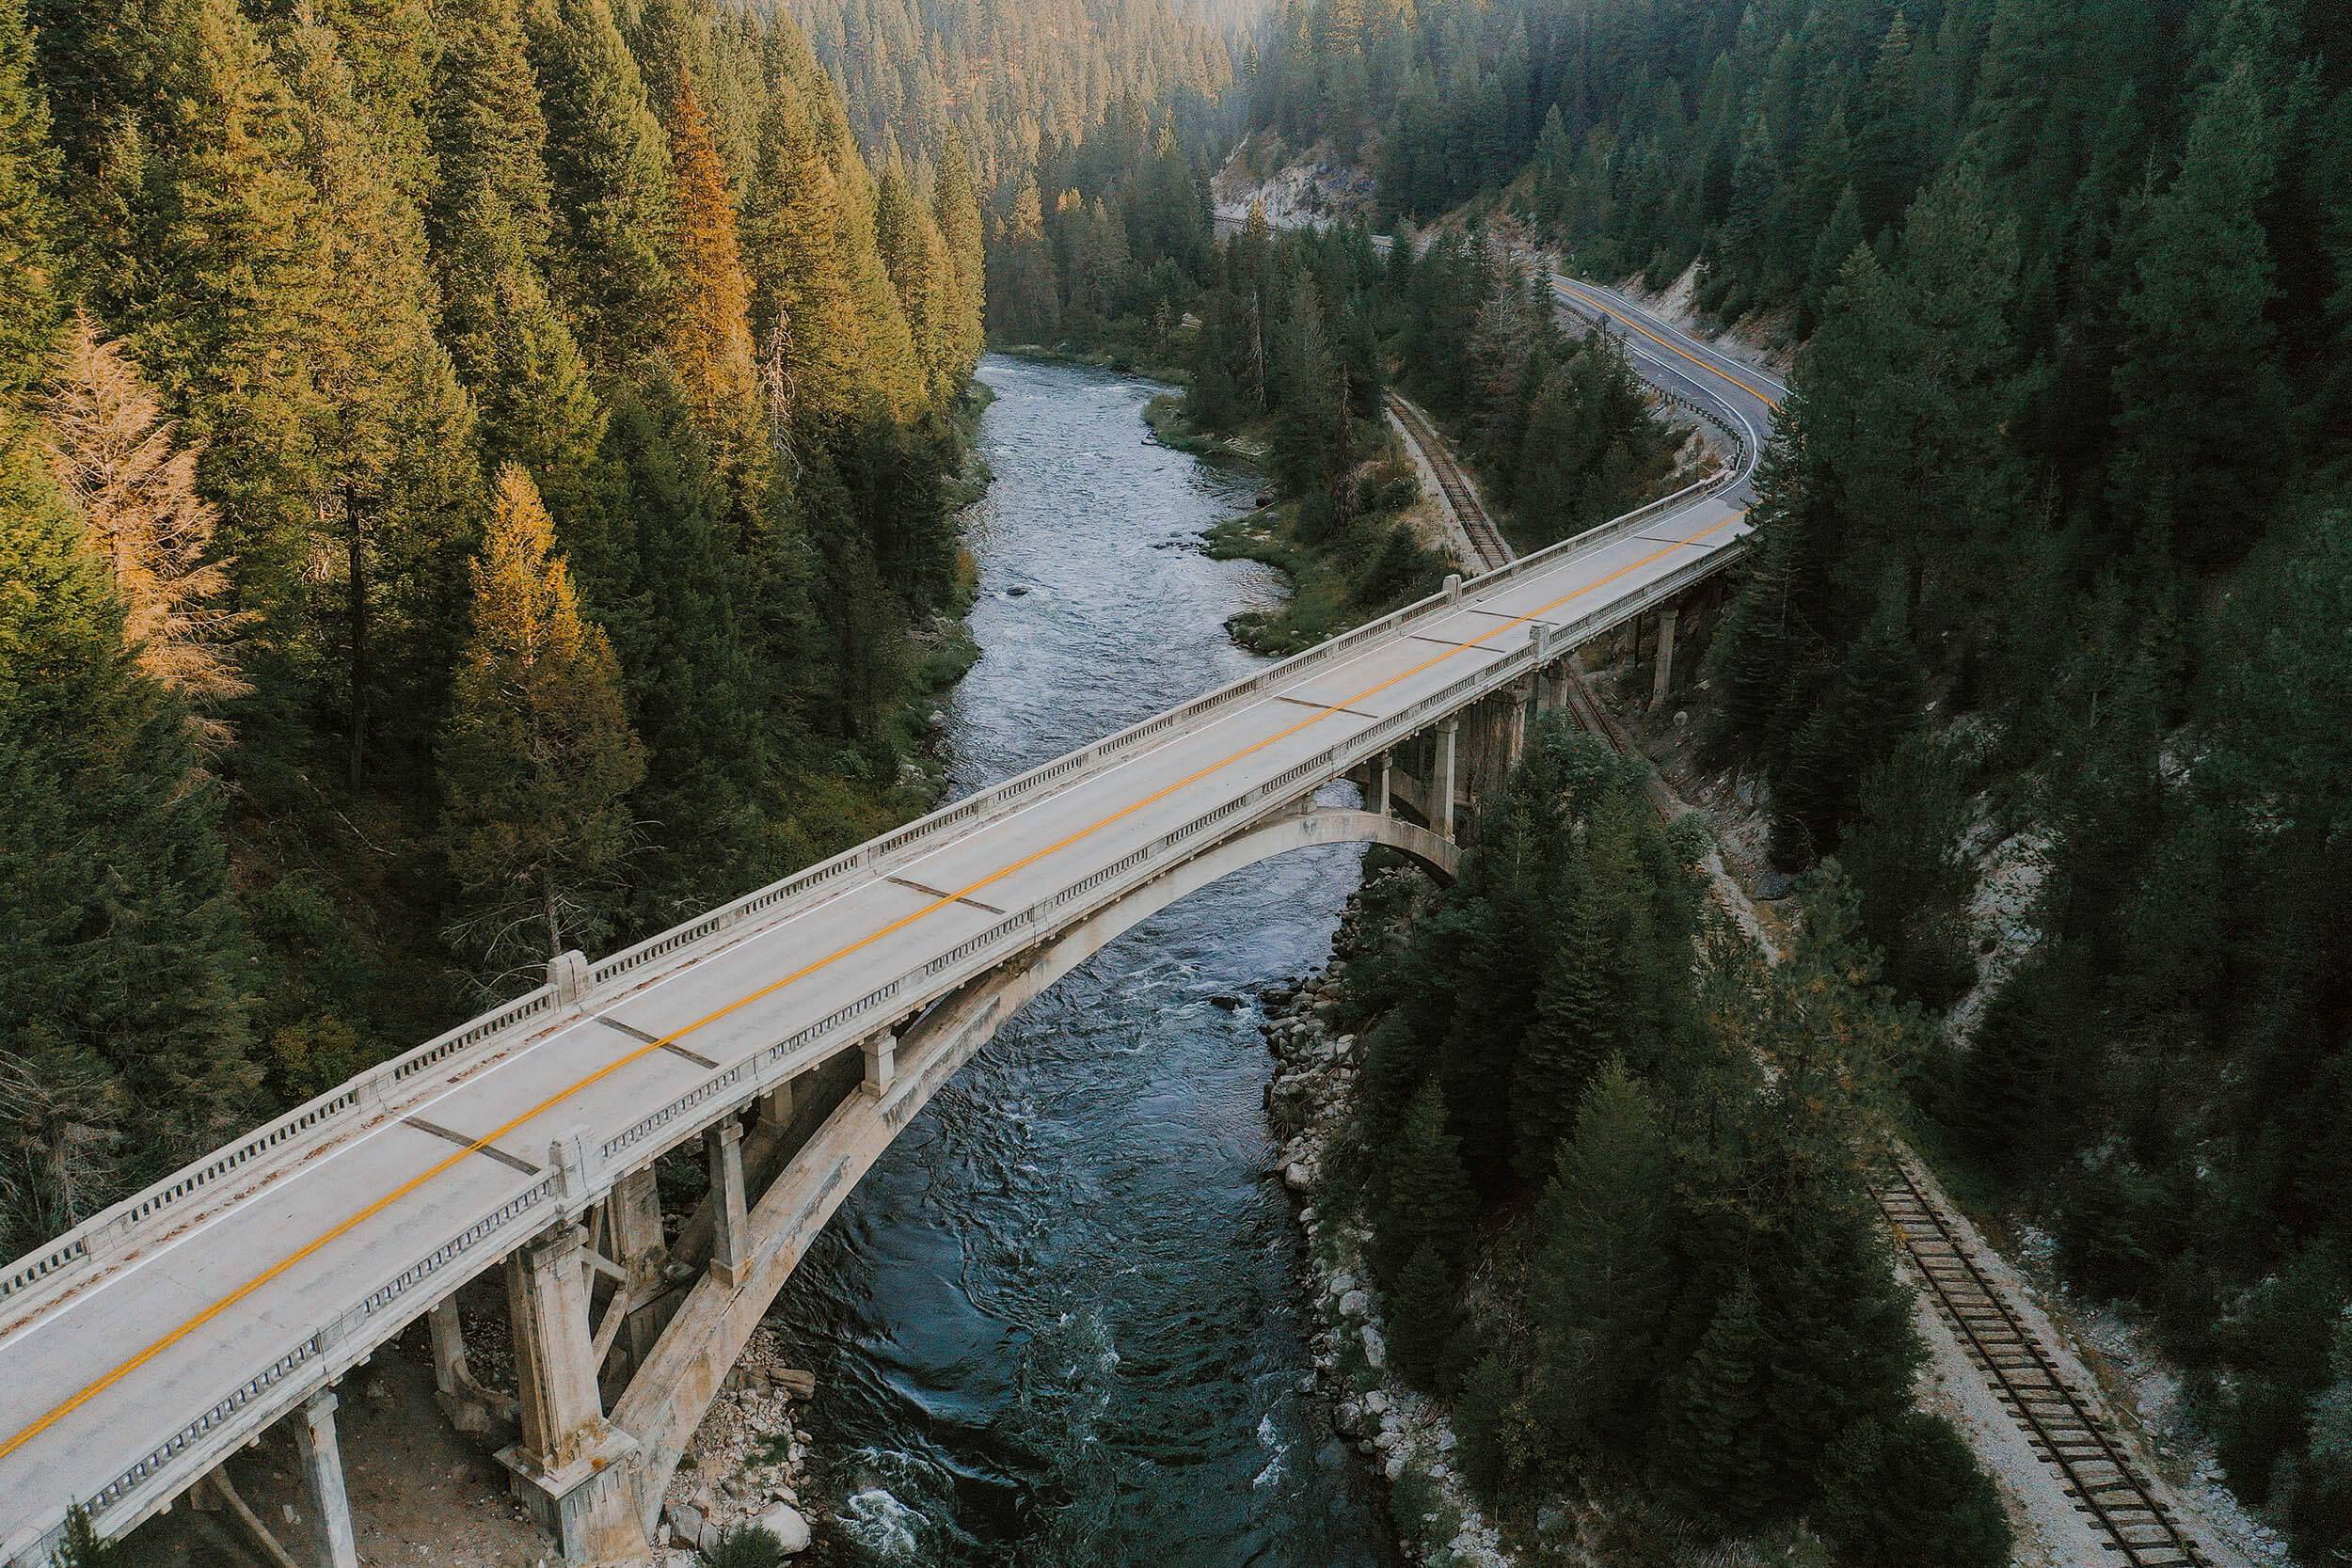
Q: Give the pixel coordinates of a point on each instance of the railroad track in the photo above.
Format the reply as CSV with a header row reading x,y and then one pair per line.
x,y
2061,1423
1459,493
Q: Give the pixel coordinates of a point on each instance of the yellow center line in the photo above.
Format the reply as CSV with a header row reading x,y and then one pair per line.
x,y
99,1386
1587,297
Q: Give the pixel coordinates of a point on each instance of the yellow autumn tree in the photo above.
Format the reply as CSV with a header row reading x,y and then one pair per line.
x,y
710,321
537,756
113,452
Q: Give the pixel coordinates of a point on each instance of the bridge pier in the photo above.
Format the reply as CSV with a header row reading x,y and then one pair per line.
x,y
633,1225
882,1063
571,1467
323,1478
468,1405
1442,777
1382,767
1666,657
722,1145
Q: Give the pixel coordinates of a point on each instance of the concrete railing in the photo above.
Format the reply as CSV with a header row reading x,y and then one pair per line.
x,y
260,1395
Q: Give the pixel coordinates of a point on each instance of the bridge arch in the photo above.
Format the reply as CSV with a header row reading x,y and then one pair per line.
x,y
666,1398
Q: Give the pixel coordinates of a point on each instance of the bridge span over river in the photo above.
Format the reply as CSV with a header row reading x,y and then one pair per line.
x,y
788,1035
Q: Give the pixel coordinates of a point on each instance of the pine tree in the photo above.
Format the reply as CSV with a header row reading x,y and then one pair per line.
x,y
1710,1445
678,625
1427,1194
1423,1316
609,163
126,967
487,127
28,167
1023,305
394,491
923,276
222,311
531,393
1604,1278
114,456
711,326
537,757
2200,403
956,208
1575,1032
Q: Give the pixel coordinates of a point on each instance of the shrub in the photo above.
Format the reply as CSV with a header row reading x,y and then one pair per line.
x,y
742,1546
1909,1494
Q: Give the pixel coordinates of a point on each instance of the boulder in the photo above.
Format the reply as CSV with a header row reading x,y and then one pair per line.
x,y
1375,1348
1355,1304
686,1524
788,1526
1298,1176
791,1382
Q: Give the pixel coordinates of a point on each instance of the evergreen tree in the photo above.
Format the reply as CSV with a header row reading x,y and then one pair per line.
x,y
1605,1277
610,164
1423,1317
27,221
221,308
2199,396
923,276
531,393
1023,305
1710,1445
956,210
537,757
394,493
126,979
488,128
1575,1033
1427,1197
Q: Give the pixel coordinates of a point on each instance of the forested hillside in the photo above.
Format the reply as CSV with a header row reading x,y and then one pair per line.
x,y
1015,83
2053,552
477,483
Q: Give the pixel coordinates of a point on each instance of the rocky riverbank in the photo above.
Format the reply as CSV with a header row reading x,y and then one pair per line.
x,y
1309,1101
747,1464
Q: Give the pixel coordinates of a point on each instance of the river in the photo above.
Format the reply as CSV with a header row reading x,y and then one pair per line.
x,y
1059,1324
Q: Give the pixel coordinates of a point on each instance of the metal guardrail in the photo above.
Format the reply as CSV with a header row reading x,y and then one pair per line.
x,y
334,1346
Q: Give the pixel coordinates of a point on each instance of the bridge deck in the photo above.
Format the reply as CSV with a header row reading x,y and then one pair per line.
x,y
94,1380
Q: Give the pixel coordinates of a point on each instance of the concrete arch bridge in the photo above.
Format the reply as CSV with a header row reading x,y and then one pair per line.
x,y
782,1039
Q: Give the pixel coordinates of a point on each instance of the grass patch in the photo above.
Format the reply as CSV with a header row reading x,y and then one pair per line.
x,y
1322,600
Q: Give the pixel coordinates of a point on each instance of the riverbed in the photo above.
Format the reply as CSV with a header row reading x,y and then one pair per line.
x,y
1059,1324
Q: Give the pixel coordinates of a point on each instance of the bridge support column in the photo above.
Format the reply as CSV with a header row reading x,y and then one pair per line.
x,y
571,1467
730,1243
1442,777
469,1406
323,1477
1380,767
633,1221
1666,658
882,1063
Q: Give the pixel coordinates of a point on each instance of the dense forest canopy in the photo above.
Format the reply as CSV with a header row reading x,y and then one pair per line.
x,y
477,484
2052,555
1013,82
